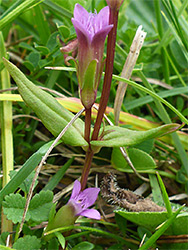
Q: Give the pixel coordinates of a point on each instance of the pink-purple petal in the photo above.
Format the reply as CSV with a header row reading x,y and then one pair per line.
x,y
76,189
100,36
91,194
83,35
102,18
91,213
76,206
80,13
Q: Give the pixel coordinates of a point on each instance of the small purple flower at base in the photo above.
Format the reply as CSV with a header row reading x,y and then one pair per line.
x,y
81,200
91,30
77,205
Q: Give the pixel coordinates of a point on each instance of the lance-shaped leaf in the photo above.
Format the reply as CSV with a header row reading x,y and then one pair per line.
x,y
118,137
52,114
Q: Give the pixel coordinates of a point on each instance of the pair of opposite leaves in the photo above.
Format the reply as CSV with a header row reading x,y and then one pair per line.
x,y
55,117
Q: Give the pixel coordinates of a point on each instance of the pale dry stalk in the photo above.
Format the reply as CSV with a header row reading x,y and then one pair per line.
x,y
127,70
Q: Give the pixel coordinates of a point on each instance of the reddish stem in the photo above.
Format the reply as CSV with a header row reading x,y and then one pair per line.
x,y
104,97
89,153
108,72
86,169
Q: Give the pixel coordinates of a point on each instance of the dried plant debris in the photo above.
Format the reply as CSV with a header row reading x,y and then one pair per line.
x,y
126,198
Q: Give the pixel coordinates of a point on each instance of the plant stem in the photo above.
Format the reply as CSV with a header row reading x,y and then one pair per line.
x,y
87,124
104,97
87,165
89,153
108,72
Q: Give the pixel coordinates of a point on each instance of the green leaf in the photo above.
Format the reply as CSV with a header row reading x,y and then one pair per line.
x,y
61,239
151,220
52,213
38,211
116,247
40,206
41,24
29,66
88,84
44,50
26,46
3,238
89,77
146,146
26,183
148,99
153,94
64,31
6,248
161,230
179,56
34,58
58,176
143,231
118,137
60,10
28,243
13,207
52,114
53,244
52,41
84,246
165,196
156,190
24,171
15,12
140,159
1,66
122,223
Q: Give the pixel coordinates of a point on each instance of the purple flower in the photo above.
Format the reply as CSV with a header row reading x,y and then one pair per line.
x,y
81,200
91,26
91,30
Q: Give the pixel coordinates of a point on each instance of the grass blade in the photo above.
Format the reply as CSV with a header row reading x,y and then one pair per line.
x,y
6,133
15,12
173,16
58,9
154,95
41,24
160,31
156,191
11,8
58,176
166,119
92,230
160,231
165,196
184,50
148,99
26,170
